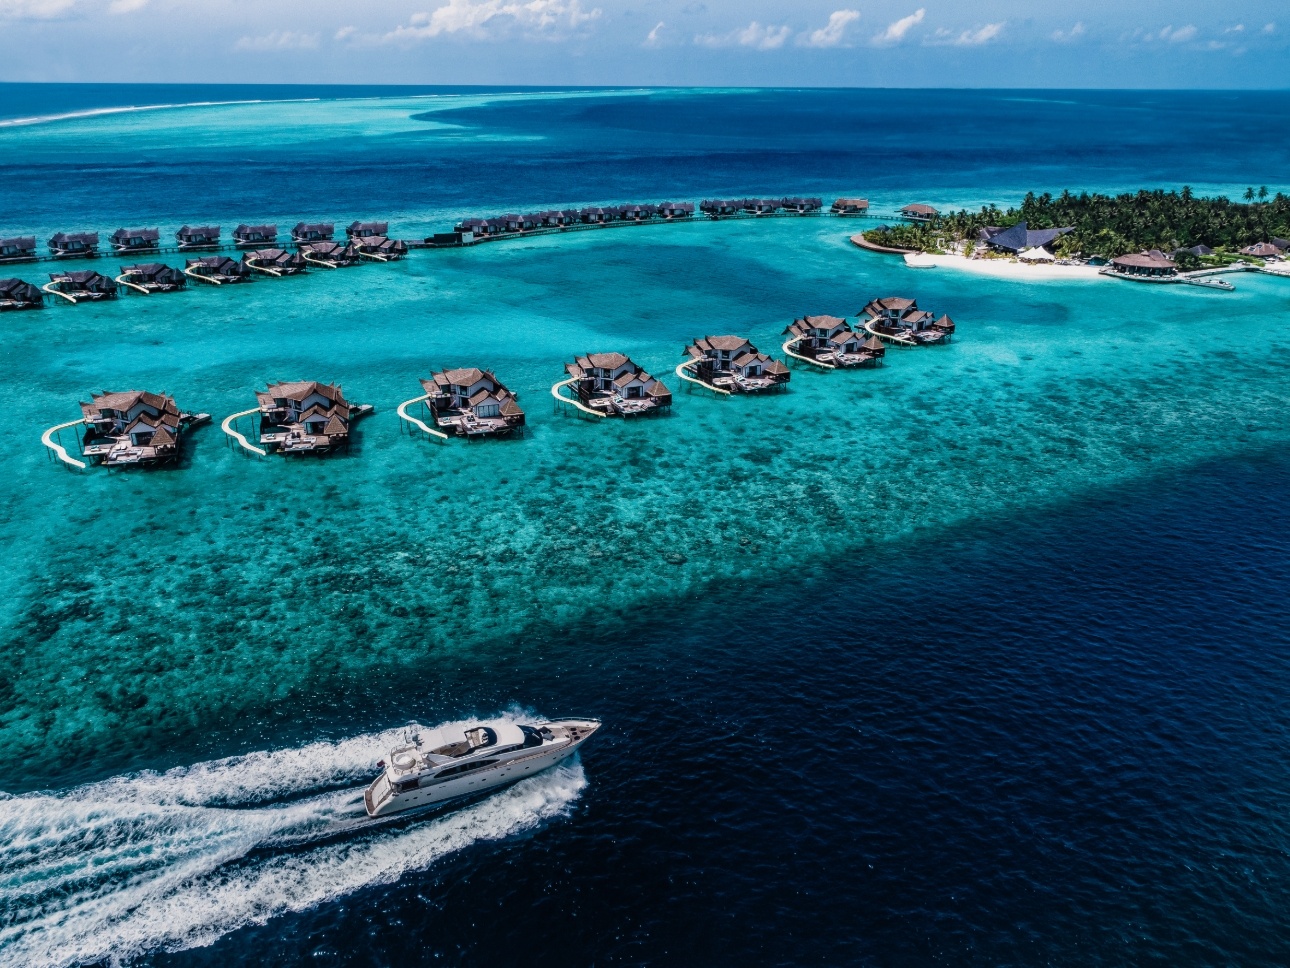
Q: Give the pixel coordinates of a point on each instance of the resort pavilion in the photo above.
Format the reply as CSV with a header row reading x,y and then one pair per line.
x,y
1151,264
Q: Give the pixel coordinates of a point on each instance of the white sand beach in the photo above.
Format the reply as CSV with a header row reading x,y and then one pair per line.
x,y
1002,268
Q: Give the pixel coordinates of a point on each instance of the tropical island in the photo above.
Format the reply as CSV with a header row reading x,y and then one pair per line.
x,y
1093,229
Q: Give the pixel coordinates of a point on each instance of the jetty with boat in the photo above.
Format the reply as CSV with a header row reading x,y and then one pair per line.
x,y
275,262
16,294
610,384
898,320
152,277
134,428
830,342
81,286
472,403
74,245
135,240
195,238
733,363
217,270
306,417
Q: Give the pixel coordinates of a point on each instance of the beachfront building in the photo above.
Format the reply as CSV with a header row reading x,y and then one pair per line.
x,y
612,384
255,236
733,363
1262,250
363,230
133,428
1152,264
850,206
1197,250
472,403
217,269
305,232
919,212
151,277
83,286
74,245
16,294
898,320
304,417
275,262
18,248
831,342
1020,238
194,237
135,240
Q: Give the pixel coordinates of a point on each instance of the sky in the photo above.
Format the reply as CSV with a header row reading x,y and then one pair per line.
x,y
817,43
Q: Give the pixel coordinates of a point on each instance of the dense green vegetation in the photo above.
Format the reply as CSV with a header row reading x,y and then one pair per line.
x,y
1108,225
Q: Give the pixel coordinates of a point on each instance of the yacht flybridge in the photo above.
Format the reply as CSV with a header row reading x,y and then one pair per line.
x,y
438,765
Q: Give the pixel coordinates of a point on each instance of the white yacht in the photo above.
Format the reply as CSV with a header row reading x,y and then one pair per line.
x,y
438,765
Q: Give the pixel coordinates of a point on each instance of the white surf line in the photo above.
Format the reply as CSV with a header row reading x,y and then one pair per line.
x,y
128,109
680,371
411,419
227,427
47,438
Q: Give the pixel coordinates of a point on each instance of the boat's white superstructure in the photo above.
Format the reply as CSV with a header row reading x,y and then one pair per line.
x,y
438,765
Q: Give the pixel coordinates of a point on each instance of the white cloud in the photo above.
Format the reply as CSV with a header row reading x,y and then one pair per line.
x,y
126,6
1234,30
896,31
1066,36
278,40
480,18
1179,36
831,34
754,35
970,38
652,38
34,9
345,32
1269,28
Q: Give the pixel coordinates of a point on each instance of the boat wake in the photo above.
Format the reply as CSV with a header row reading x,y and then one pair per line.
x,y
109,871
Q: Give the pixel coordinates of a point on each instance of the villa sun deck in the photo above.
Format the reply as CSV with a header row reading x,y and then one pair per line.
x,y
734,364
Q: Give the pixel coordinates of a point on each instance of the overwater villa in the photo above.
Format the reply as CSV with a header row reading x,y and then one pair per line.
x,y
74,245
83,286
761,206
134,428
718,207
675,210
363,230
611,384
380,248
330,255
305,417
312,232
637,213
850,206
275,262
472,403
919,212
218,270
1150,265
193,238
1019,238
255,236
596,216
151,277
16,294
135,240
18,248
802,206
895,319
831,342
733,363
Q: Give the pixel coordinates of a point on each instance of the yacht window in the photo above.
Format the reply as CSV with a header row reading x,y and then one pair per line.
x,y
463,768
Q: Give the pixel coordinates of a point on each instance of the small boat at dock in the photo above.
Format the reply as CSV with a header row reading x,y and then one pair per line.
x,y
255,236
732,363
135,240
152,277
82,286
16,294
194,238
472,403
436,766
74,245
218,270
275,262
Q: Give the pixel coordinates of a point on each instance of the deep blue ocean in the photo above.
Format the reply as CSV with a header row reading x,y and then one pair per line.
x,y
980,658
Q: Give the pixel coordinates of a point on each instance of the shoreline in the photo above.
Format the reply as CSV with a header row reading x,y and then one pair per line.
x,y
1004,268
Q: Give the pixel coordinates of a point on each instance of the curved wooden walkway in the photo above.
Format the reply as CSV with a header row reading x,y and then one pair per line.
x,y
887,338
403,414
47,438
680,371
201,278
55,292
806,359
227,427
122,280
561,398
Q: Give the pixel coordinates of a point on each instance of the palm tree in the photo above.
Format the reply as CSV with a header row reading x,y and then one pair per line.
x,y
1249,194
1263,192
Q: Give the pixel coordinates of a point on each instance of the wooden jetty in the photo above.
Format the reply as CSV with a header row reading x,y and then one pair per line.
x,y
830,343
16,294
134,428
81,286
306,417
74,245
18,248
275,262
196,238
152,277
135,240
255,236
732,364
610,384
217,270
471,403
330,255
898,320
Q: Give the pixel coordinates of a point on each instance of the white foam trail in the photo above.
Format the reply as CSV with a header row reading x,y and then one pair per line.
x,y
110,871
132,108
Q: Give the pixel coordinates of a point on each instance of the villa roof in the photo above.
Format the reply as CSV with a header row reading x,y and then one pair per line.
x,y
1019,237
1261,249
324,227
1145,260
126,399
1282,244
626,378
918,208
20,241
300,389
775,366
1202,249
605,361
658,390
898,303
202,230
335,426
873,343
851,203
17,289
842,338
256,229
824,322
90,238
162,438
148,235
750,358
461,377
724,342
510,408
